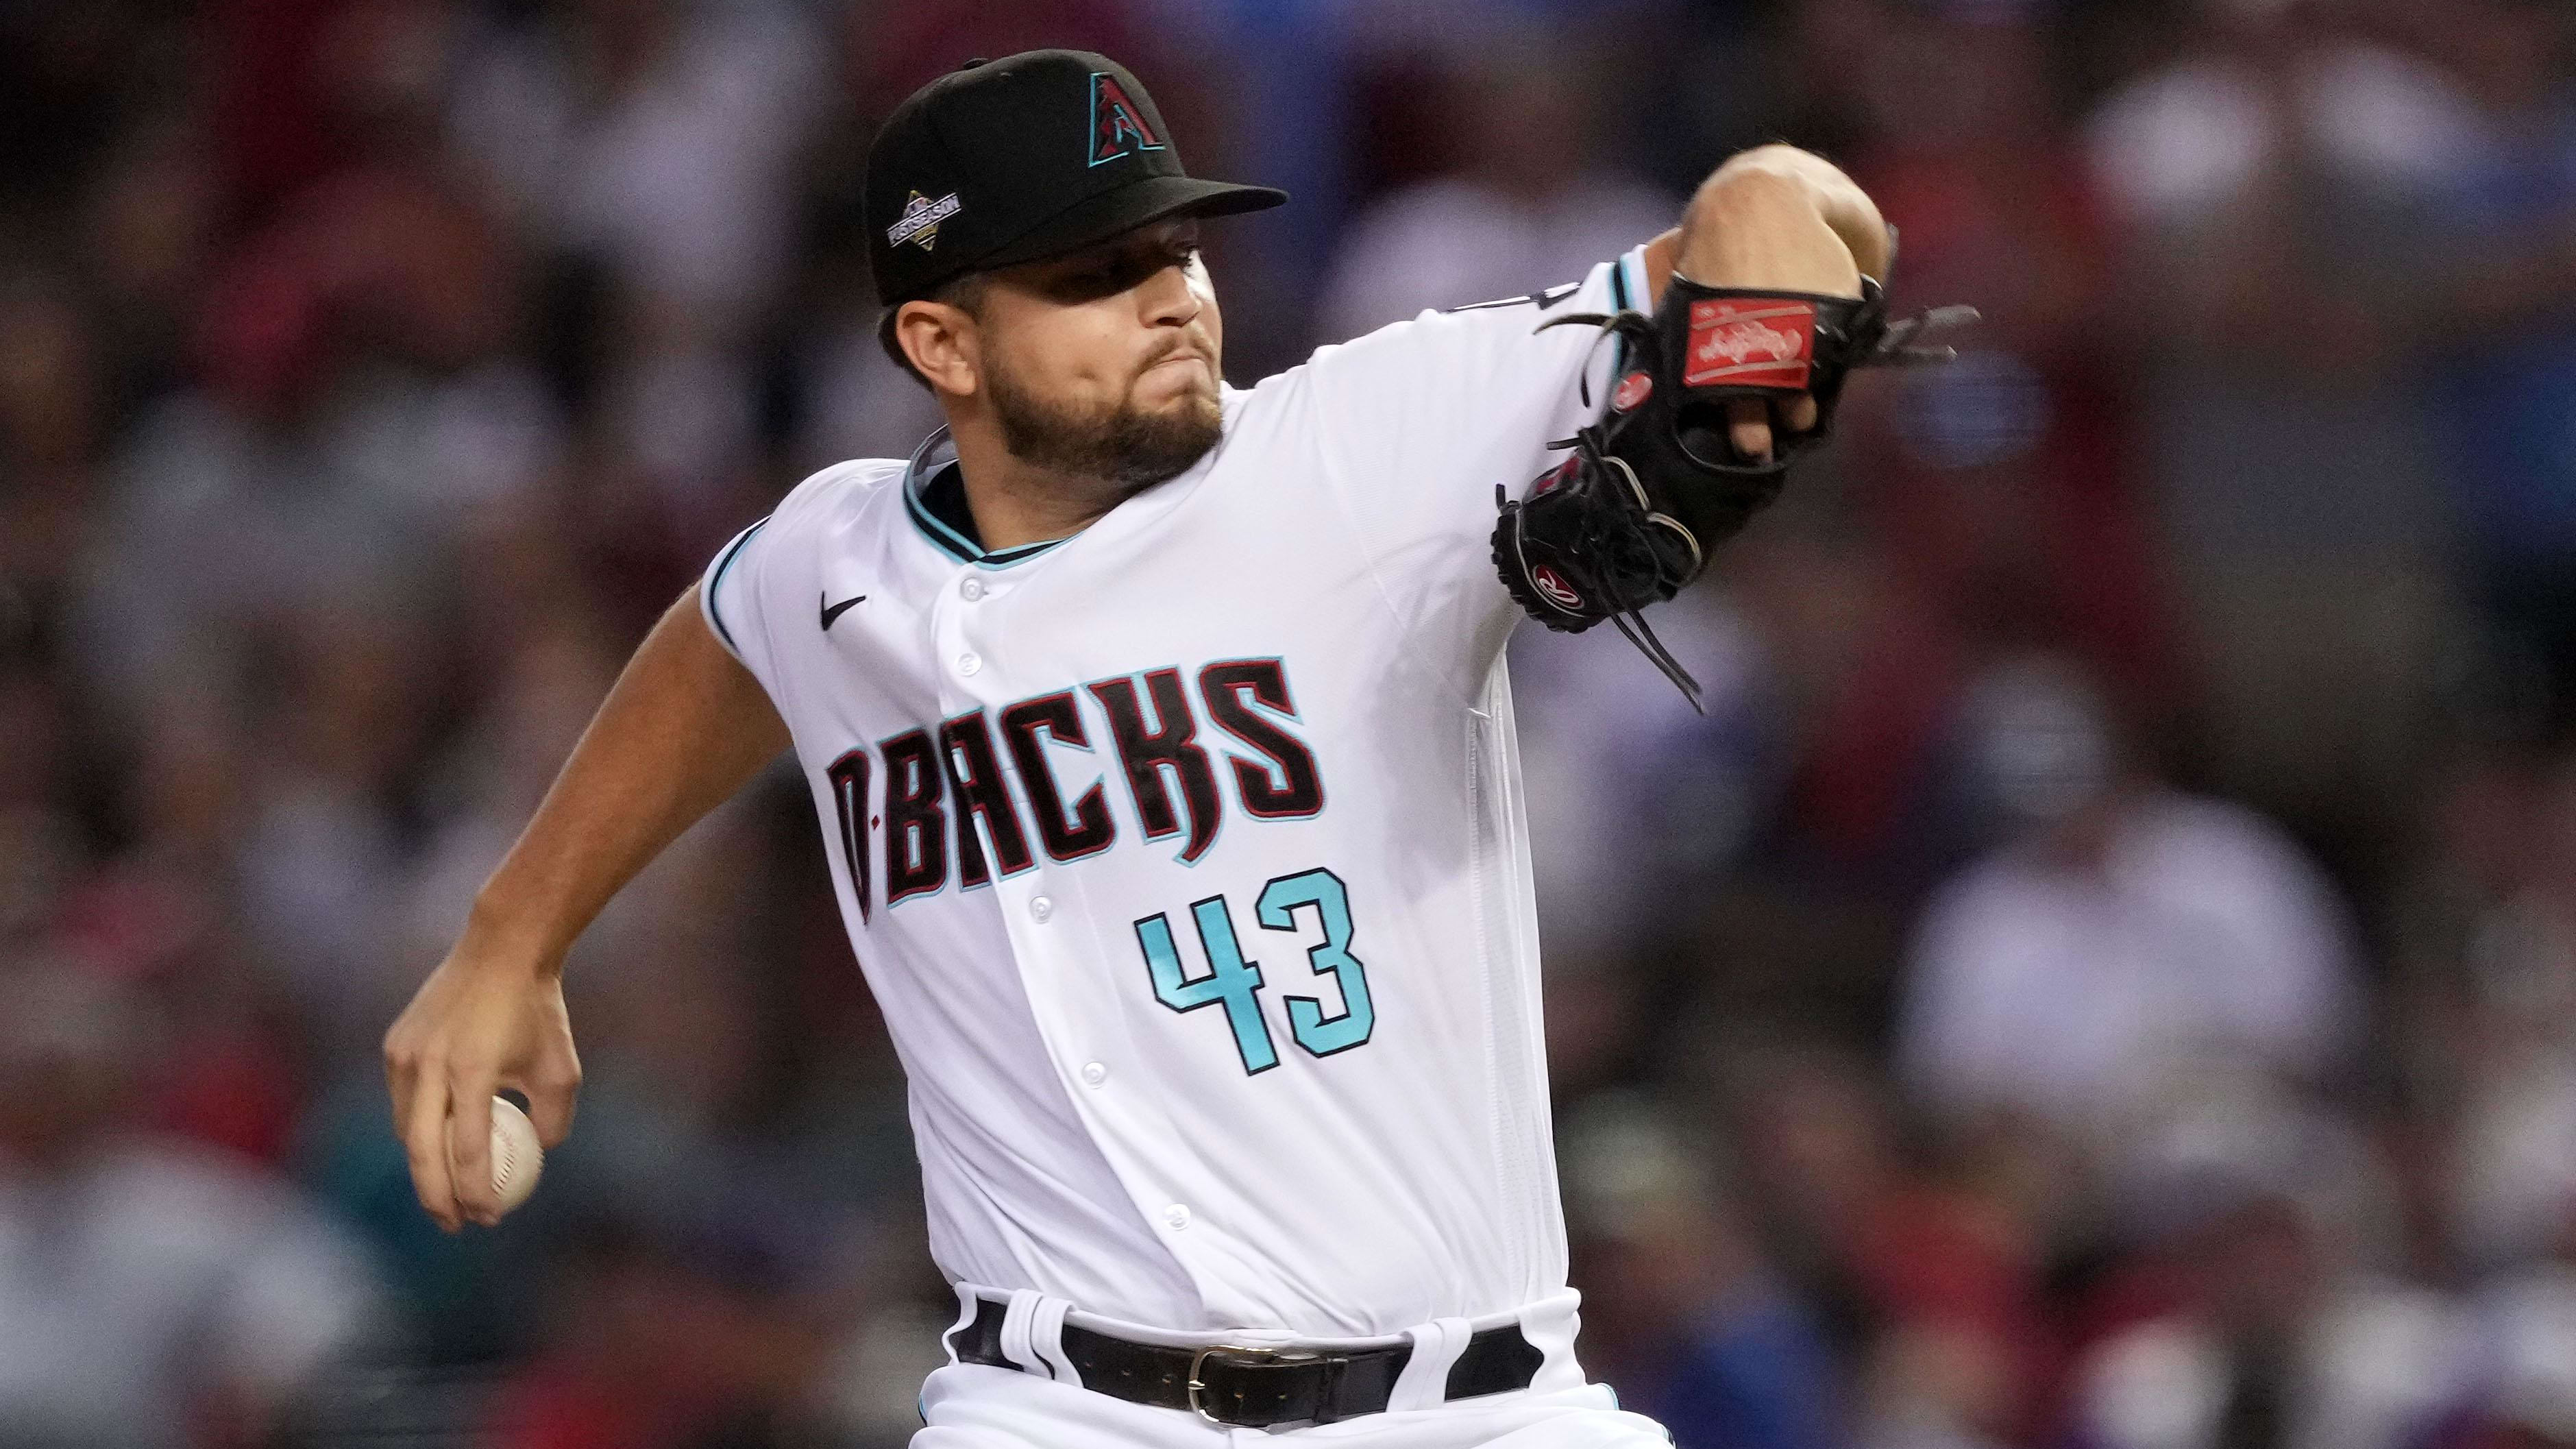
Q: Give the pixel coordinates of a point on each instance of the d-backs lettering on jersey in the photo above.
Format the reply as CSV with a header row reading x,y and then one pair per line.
x,y
1185,856
936,825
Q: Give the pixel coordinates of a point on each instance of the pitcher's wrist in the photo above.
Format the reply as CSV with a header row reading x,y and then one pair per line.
x,y
500,936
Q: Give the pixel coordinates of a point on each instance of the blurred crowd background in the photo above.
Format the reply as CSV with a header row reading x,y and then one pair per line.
x,y
2102,975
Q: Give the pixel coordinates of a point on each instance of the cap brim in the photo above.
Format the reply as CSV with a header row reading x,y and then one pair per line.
x,y
1148,199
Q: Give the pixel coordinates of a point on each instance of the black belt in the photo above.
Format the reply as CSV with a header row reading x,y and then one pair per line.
x,y
1256,1388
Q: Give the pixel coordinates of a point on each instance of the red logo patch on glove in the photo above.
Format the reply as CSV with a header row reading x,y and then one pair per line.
x,y
1635,388
1750,342
1553,585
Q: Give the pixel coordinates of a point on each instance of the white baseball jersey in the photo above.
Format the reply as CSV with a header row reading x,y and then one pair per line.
x,y
1185,855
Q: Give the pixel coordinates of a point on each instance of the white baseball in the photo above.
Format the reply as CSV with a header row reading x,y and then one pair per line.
x,y
516,1157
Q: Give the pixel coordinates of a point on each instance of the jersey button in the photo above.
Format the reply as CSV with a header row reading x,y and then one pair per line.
x,y
969,663
971,589
1093,1074
1177,1216
1041,908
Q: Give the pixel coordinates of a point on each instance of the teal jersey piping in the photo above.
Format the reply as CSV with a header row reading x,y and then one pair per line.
x,y
948,540
716,580
1619,302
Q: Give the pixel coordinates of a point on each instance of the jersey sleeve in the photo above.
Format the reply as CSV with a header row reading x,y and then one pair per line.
x,y
739,606
1423,419
755,582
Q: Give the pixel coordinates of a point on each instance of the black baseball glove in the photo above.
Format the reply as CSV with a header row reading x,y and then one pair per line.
x,y
1652,488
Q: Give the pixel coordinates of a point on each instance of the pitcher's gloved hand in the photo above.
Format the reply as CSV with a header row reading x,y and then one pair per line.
x,y
1656,484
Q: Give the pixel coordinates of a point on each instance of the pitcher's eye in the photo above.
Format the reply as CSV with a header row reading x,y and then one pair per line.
x,y
1091,279
1086,283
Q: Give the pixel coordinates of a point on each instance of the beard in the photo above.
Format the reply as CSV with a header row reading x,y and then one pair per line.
x,y
1124,446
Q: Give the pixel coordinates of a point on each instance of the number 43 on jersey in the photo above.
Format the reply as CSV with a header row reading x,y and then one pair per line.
x,y
1234,982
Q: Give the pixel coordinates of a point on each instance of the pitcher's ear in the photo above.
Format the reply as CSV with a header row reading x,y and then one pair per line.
x,y
938,343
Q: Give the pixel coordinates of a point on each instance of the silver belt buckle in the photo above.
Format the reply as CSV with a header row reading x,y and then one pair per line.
x,y
1198,1361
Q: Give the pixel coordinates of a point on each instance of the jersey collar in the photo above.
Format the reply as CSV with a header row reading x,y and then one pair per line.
x,y
949,528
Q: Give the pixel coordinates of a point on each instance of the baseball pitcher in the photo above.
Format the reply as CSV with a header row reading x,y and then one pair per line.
x,y
1161,746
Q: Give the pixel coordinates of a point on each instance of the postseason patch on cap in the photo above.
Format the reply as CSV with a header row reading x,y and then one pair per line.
x,y
920,220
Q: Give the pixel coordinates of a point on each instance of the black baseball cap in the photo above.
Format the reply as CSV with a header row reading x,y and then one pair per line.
x,y
1019,159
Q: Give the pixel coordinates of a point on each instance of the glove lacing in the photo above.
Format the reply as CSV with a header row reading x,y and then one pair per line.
x,y
1638,536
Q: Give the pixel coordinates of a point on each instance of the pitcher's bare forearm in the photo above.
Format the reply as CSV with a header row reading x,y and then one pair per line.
x,y
1775,216
684,728
1788,216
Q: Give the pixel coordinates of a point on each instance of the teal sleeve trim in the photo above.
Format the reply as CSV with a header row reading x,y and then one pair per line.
x,y
1619,295
715,580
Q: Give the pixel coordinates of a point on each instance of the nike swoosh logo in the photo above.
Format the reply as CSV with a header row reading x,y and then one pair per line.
x,y
833,611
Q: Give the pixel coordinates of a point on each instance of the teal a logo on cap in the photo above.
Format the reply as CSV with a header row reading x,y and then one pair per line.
x,y
920,220
1118,128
